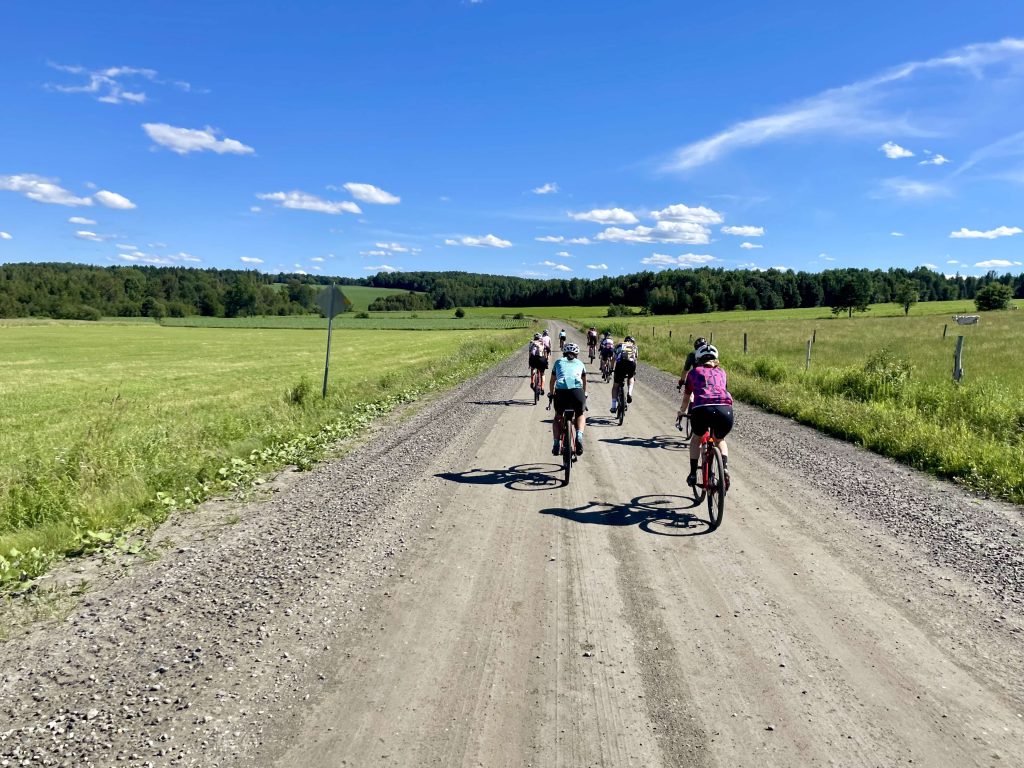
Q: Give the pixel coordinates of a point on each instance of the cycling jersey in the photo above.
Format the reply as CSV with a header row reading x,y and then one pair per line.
x,y
627,351
537,348
547,342
708,386
569,373
608,344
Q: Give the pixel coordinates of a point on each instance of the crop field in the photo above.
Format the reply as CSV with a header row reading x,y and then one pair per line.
x,y
104,427
884,382
360,295
385,321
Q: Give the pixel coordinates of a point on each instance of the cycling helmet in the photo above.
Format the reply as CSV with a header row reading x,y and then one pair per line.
x,y
571,349
707,352
700,342
536,337
630,338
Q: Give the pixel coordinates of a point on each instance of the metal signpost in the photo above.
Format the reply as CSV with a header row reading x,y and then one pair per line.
x,y
331,301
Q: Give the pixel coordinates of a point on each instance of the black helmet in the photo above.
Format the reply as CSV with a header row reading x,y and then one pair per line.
x,y
699,342
630,338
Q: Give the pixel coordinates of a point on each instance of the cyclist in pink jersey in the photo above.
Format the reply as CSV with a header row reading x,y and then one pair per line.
x,y
711,408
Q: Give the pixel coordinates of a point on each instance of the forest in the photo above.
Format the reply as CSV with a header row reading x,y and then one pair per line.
x,y
84,292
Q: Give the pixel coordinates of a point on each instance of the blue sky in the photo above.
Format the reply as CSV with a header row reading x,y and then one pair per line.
x,y
536,138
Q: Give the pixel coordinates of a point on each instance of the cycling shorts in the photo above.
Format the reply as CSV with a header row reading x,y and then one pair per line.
x,y
538,362
607,354
717,418
624,369
570,398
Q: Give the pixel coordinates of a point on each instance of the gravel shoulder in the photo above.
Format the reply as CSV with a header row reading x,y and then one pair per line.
x,y
438,598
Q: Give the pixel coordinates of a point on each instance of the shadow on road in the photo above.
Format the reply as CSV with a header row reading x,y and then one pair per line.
x,y
667,442
522,477
662,515
501,402
519,376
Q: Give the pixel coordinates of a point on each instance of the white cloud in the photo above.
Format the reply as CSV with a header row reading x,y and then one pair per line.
x,y
908,189
550,239
749,246
896,234
782,268
375,253
113,200
81,220
991,263
368,193
894,151
126,247
854,109
381,268
6,236
749,265
579,240
744,231
934,159
303,201
930,266
489,241
606,216
680,212
185,140
250,260
138,257
553,265
42,190
187,257
600,267
952,261
108,85
317,258
546,189
684,260
398,247
254,209
971,234
564,254
83,234
664,232
825,257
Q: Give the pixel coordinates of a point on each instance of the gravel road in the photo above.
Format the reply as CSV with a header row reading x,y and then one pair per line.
x,y
438,598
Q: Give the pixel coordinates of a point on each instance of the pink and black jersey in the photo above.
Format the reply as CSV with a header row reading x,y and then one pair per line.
x,y
708,386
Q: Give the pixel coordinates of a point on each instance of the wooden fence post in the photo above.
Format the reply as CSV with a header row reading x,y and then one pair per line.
x,y
807,362
711,338
670,333
652,330
744,343
958,370
945,327
814,336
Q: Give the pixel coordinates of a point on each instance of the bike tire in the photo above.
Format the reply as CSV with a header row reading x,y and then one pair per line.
x,y
716,489
689,427
568,446
621,413
698,488
536,394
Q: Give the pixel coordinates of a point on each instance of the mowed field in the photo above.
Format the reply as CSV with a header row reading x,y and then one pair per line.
x,y
879,379
387,321
105,425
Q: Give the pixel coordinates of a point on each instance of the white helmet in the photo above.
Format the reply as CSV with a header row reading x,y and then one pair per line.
x,y
707,352
571,348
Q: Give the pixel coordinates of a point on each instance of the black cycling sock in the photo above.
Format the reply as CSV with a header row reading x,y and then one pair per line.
x,y
693,466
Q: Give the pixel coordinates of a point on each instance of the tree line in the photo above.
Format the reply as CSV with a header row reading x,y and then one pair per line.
x,y
79,291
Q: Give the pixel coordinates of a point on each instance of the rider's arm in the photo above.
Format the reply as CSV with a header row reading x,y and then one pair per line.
x,y
583,377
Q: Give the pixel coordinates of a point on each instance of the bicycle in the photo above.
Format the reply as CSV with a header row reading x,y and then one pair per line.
x,y
606,369
622,407
537,383
712,482
592,349
688,429
568,448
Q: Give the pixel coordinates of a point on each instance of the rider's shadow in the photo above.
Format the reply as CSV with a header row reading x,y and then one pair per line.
x,y
662,515
665,442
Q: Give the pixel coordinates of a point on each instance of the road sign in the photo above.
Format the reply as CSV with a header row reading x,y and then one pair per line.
x,y
331,301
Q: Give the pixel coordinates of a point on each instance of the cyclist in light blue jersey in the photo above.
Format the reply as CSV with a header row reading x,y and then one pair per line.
x,y
568,387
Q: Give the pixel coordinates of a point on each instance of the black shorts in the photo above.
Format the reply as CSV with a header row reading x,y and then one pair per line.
x,y
624,369
717,418
570,398
607,354
538,362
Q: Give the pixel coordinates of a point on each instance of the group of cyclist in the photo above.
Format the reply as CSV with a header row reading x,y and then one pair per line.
x,y
706,399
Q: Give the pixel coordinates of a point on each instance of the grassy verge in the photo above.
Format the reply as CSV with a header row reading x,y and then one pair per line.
x,y
881,382
108,428
381,321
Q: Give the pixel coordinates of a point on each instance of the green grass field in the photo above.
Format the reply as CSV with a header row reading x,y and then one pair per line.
x,y
360,295
105,426
381,321
903,404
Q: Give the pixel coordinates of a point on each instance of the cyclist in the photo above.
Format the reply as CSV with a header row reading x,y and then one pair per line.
x,y
711,409
691,363
592,340
547,343
538,362
568,387
607,351
626,355
561,339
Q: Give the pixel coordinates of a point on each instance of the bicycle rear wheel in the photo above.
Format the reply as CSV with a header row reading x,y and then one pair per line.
x,y
689,427
621,412
716,489
568,443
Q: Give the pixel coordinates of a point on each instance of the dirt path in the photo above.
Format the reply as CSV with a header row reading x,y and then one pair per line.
x,y
438,598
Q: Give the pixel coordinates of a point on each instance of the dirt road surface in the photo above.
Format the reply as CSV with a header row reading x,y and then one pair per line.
x,y
439,598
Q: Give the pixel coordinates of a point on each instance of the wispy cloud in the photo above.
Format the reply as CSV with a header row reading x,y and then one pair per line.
x,y
744,231
113,200
546,189
897,234
250,260
185,140
489,241
991,234
749,246
42,190
367,193
113,85
6,236
909,189
579,240
599,267
934,158
553,265
683,260
550,239
381,268
303,201
663,232
84,234
606,216
398,247
854,109
894,151
684,213
996,263
81,220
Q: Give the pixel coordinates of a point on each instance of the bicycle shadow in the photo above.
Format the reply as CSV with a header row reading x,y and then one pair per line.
x,y
658,514
501,402
521,477
602,421
665,442
517,376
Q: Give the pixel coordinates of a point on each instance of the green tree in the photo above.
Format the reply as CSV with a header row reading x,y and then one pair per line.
x,y
854,294
906,295
993,296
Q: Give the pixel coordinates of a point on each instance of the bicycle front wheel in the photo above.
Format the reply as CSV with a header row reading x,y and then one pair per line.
x,y
716,489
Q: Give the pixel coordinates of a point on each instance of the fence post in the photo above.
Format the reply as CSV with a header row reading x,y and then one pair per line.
x,y
711,338
652,330
945,327
807,362
744,343
691,338
670,333
814,336
958,371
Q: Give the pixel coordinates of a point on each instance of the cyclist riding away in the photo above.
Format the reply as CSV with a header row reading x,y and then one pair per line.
x,y
561,339
547,343
626,355
711,409
592,340
568,387
538,363
690,364
607,350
